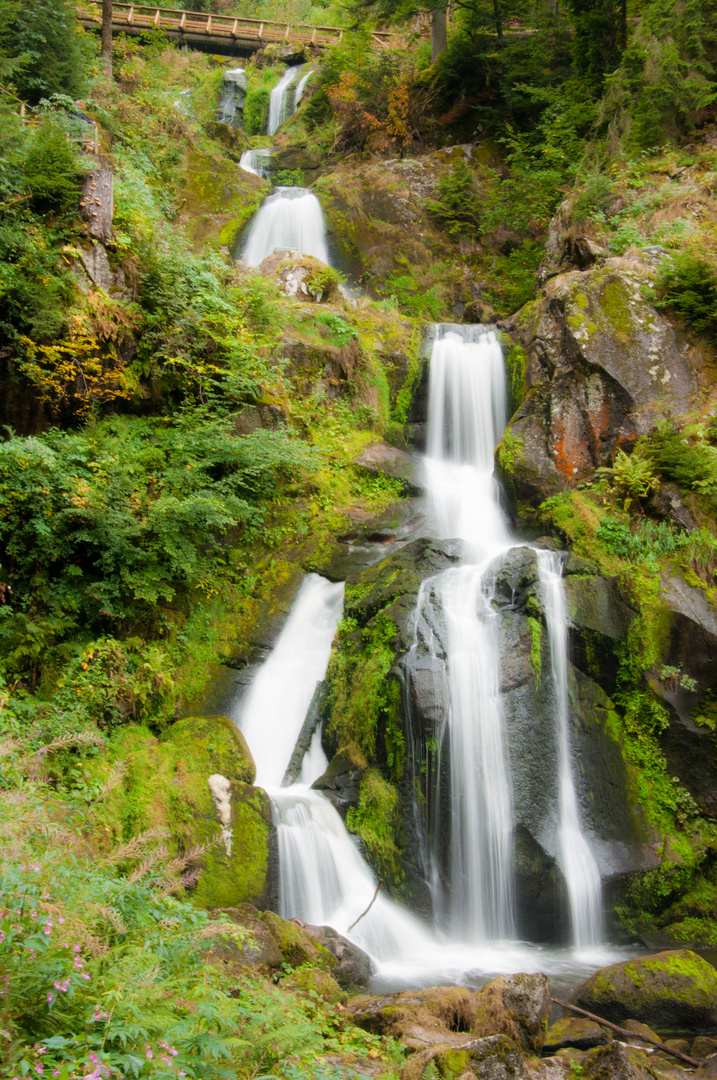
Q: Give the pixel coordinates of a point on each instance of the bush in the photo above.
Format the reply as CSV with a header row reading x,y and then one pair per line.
x,y
688,285
53,171
457,207
691,466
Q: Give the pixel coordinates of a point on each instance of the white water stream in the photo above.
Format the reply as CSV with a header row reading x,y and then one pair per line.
x,y
577,862
301,86
281,103
256,162
289,220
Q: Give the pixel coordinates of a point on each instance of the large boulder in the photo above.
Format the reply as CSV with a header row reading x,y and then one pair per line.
x,y
575,1031
675,989
196,784
602,362
353,967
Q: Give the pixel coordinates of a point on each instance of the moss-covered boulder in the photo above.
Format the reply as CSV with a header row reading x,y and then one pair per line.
x,y
675,990
516,1006
614,1062
165,787
577,1032
315,983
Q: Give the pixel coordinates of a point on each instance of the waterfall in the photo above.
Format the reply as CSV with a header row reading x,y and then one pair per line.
x,y
280,108
256,162
279,697
233,96
473,895
301,86
466,417
289,220
582,876
323,878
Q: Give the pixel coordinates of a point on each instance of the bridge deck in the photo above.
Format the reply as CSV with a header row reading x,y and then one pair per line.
x,y
228,32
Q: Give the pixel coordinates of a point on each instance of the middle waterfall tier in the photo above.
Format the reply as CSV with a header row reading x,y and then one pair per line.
x,y
289,220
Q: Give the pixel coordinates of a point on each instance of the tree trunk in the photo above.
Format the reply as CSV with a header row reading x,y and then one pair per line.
x,y
439,33
498,19
107,35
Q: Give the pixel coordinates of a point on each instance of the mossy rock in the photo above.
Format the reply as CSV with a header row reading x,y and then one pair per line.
x,y
165,787
315,982
516,1006
297,946
577,1032
676,989
218,740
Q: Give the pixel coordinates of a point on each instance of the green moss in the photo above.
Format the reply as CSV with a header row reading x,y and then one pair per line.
x,y
536,645
453,1063
509,451
165,787
297,947
375,821
515,369
358,690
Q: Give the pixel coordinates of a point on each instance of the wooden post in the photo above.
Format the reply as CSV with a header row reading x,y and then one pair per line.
x,y
286,35
313,37
261,31
209,24
183,22
235,28
155,20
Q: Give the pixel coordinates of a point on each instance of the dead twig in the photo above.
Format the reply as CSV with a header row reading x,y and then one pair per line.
x,y
373,901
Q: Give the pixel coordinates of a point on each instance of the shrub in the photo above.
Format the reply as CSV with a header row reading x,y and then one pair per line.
x,y
688,285
53,171
690,466
457,207
632,475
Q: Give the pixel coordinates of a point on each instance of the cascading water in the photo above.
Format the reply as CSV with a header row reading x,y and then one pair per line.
x,y
582,876
473,894
467,414
301,86
323,878
289,220
281,104
256,162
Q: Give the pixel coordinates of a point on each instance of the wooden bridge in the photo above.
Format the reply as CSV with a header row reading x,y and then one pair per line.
x,y
223,34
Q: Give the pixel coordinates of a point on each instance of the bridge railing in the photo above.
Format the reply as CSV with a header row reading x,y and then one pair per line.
x,y
233,28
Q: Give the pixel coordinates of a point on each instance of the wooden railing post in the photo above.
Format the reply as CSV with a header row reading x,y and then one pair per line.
x,y
235,28
209,24
155,20
130,16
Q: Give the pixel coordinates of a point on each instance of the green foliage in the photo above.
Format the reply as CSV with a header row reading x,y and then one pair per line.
x,y
288,178
536,646
106,973
98,528
646,542
593,198
375,820
515,369
688,285
52,170
632,475
691,465
666,76
457,207
46,39
403,288
341,332
599,25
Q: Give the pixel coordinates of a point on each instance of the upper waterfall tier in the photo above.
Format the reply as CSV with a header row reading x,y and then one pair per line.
x,y
289,220
281,103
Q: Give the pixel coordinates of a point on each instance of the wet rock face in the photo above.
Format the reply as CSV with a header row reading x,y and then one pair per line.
x,y
675,989
691,647
601,360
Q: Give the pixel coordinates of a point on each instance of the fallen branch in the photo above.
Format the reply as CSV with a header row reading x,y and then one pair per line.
x,y
373,901
628,1034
